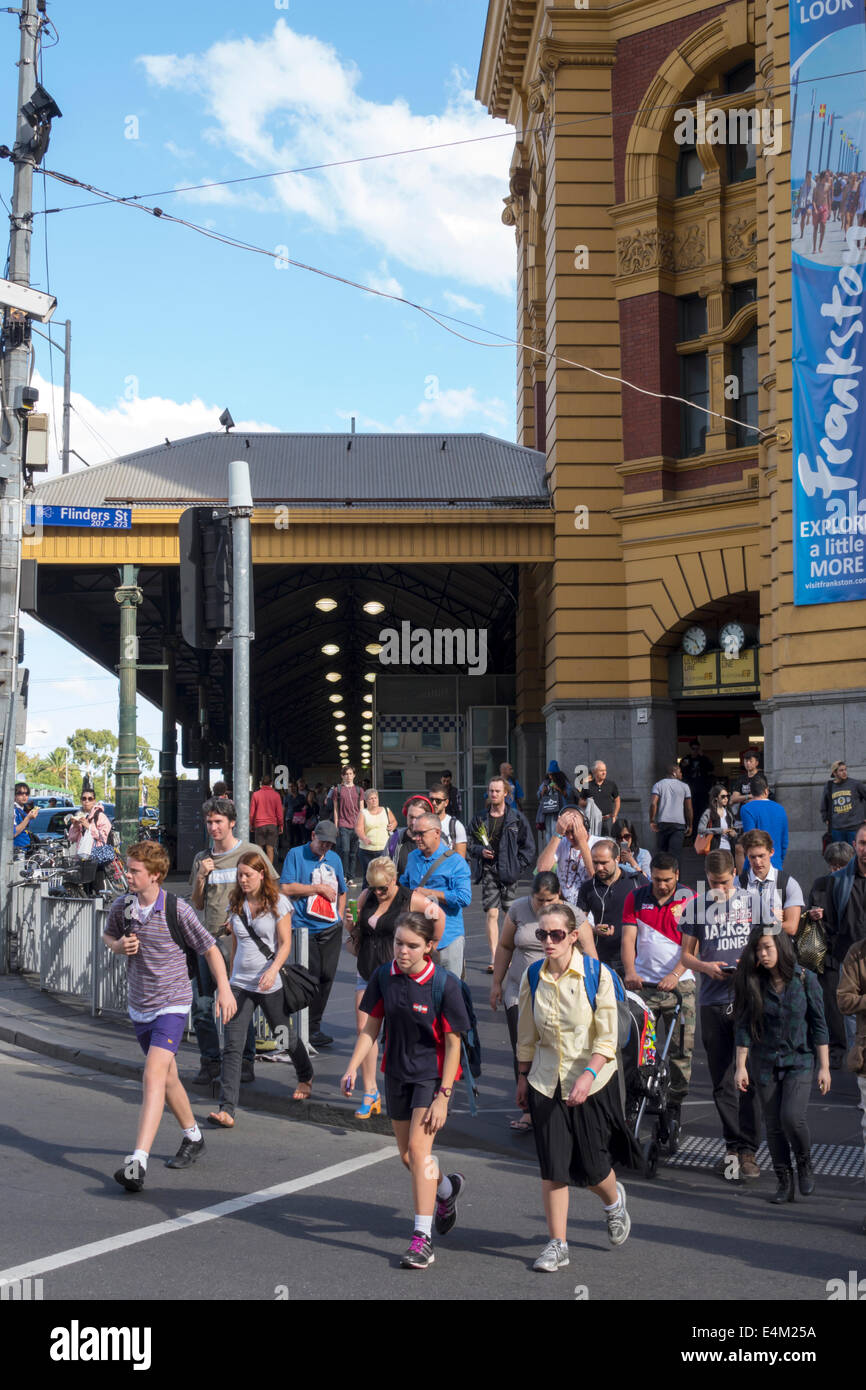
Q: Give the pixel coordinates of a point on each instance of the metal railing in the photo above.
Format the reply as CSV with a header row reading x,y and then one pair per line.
x,y
60,940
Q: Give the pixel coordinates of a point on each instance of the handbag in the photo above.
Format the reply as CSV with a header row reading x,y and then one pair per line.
x,y
299,986
703,843
810,944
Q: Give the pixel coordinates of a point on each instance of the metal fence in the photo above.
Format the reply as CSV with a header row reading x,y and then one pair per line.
x,y
60,940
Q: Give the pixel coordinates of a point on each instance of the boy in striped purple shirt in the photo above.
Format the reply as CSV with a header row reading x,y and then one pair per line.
x,y
160,996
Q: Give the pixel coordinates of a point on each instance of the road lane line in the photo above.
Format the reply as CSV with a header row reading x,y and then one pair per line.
x,y
194,1218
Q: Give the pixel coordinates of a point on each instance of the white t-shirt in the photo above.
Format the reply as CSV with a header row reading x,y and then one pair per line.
x,y
672,794
249,963
459,832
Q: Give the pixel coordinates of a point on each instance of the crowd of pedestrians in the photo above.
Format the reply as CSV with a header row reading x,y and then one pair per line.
x,y
774,983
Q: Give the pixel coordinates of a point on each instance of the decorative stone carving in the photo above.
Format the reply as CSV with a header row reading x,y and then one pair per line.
x,y
646,250
741,239
690,248
516,201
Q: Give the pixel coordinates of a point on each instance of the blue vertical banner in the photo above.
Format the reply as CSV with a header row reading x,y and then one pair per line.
x,y
828,276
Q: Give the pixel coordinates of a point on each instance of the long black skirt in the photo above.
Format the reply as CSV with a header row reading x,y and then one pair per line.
x,y
579,1144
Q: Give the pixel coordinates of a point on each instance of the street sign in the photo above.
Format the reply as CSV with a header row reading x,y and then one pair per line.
x,y
97,518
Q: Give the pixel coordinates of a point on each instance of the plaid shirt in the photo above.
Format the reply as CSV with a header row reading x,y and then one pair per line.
x,y
793,1026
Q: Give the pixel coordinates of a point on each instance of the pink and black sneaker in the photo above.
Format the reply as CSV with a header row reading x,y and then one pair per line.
x,y
446,1210
420,1252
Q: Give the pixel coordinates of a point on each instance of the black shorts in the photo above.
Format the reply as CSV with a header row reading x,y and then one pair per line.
x,y
402,1097
266,835
496,894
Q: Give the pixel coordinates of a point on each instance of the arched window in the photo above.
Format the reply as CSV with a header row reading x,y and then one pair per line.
x,y
744,366
690,172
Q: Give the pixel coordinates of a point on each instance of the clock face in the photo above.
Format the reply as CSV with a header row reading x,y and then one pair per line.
x,y
695,641
732,638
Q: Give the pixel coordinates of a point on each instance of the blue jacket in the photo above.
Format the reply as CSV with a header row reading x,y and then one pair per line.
x,y
452,878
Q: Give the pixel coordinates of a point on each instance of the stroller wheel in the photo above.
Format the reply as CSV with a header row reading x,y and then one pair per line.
x,y
650,1155
673,1136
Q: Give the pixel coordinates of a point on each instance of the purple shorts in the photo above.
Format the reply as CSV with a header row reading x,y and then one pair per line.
x,y
165,1031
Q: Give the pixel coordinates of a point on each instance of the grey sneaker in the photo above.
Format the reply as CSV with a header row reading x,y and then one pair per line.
x,y
554,1256
618,1220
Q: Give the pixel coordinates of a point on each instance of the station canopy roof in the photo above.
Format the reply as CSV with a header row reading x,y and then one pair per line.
x,y
292,715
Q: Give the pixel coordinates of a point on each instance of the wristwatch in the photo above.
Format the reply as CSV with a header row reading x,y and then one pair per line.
x,y
444,1091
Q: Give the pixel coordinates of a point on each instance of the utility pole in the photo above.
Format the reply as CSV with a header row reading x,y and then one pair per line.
x,y
241,509
67,395
14,365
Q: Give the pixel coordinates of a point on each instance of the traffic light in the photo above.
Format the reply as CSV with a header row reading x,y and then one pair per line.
x,y
205,577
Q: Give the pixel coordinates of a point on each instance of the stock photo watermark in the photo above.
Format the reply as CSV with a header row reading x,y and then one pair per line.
x,y
729,125
438,646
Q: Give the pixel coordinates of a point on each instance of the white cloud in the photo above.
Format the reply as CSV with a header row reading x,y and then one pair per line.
x,y
290,100
462,304
384,282
452,410
138,422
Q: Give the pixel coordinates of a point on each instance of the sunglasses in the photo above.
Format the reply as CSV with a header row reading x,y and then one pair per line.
x,y
380,887
557,935
438,800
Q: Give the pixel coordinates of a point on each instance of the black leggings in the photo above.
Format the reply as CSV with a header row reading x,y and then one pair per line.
x,y
785,1099
274,1007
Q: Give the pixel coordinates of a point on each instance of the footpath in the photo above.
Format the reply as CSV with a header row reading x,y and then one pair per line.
x,y
63,1028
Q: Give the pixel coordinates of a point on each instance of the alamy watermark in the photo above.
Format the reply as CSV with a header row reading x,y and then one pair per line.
x,y
729,125
438,646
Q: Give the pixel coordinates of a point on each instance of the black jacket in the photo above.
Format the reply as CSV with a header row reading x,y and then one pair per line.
x,y
516,847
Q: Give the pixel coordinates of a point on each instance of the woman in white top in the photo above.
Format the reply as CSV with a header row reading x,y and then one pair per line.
x,y
517,949
257,907
373,826
717,820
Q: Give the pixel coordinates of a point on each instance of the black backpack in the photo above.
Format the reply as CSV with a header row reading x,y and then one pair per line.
x,y
173,927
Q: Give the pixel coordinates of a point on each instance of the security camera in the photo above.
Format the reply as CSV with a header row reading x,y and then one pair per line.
x,y
37,305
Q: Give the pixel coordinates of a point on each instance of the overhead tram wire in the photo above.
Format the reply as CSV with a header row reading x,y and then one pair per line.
x,y
442,320
134,198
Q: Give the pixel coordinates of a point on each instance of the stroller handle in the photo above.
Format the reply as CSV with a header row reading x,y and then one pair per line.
x,y
675,992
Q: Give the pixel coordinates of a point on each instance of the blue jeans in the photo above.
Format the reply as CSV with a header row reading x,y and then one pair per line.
x,y
347,848
203,1021
846,837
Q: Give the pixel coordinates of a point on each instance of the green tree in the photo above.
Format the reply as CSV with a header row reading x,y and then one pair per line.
x,y
143,754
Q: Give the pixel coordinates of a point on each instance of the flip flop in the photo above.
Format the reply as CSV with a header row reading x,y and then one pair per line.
x,y
221,1119
489,970
302,1091
523,1126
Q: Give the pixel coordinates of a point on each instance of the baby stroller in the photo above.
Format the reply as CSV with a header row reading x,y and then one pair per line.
x,y
647,1082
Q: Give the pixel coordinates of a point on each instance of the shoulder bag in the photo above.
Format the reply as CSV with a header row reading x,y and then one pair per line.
x,y
299,986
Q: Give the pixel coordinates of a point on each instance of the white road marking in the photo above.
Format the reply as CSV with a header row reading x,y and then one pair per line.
x,y
194,1218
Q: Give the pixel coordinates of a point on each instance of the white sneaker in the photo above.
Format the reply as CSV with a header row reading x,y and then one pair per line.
x,y
618,1220
554,1256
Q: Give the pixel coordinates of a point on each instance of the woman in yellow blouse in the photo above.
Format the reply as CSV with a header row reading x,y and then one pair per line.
x,y
566,1058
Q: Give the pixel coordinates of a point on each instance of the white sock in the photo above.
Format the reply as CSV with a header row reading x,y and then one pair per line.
x,y
424,1224
139,1154
194,1134
615,1206
445,1188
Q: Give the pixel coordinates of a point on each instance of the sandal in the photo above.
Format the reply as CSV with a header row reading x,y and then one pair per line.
x,y
302,1091
221,1119
523,1125
372,1106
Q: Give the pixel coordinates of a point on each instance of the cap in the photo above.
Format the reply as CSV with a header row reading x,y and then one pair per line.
x,y
326,830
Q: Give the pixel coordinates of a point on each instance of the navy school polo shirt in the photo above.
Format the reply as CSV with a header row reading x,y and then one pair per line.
x,y
415,1042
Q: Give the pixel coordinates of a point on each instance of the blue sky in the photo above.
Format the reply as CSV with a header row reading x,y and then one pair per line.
x,y
170,327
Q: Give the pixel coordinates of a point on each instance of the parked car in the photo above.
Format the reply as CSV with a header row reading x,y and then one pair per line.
x,y
148,816
58,801
50,823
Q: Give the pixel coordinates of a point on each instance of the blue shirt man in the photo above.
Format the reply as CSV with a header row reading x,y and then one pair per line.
x,y
22,817
307,869
313,879
450,884
762,814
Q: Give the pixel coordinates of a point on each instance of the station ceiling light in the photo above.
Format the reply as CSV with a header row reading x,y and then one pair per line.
x,y
368,699
338,713
335,699
330,649
370,676
341,728
373,648
333,676
326,605
374,607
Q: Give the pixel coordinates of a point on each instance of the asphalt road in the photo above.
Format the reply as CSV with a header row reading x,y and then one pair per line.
x,y
336,1233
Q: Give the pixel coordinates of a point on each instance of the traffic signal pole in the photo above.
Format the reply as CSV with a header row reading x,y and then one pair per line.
x,y
241,510
15,367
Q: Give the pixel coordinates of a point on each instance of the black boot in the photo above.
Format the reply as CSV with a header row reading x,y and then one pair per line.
x,y
806,1176
785,1190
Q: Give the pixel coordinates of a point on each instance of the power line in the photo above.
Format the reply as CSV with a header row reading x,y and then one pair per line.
x,y
425,149
110,450
443,320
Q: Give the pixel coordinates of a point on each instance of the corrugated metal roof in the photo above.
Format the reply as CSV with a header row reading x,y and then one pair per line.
x,y
462,470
